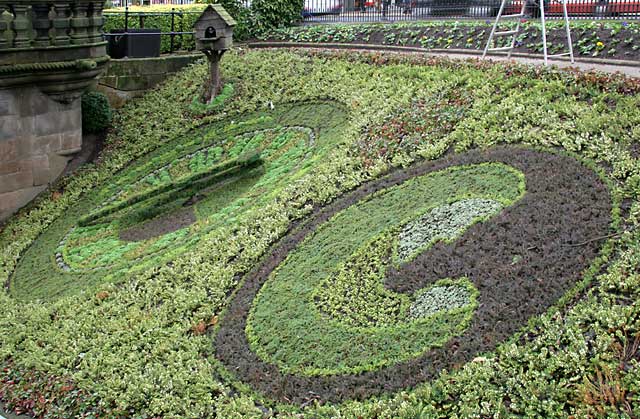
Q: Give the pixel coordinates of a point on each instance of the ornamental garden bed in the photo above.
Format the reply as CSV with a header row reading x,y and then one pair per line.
x,y
348,235
614,40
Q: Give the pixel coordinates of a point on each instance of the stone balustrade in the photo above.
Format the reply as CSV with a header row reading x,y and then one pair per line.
x,y
42,24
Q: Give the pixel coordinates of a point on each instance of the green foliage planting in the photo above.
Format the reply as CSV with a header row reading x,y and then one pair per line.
x,y
619,40
445,222
199,107
444,295
270,14
216,172
326,347
96,112
132,331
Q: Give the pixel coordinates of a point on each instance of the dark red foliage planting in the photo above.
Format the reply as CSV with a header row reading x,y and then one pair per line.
x,y
522,262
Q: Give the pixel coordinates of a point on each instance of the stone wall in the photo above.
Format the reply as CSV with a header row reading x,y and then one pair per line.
x,y
127,78
37,138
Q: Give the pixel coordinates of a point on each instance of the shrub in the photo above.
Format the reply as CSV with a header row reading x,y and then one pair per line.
x,y
96,112
270,14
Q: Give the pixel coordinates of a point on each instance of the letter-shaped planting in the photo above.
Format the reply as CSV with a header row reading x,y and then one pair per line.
x,y
325,310
412,273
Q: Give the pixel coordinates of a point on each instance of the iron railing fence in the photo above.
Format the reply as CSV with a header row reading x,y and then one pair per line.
x,y
329,11
122,3
399,10
134,20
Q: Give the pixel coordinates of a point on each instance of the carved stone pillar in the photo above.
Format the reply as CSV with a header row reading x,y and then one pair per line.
x,y
21,26
61,23
41,24
80,22
96,21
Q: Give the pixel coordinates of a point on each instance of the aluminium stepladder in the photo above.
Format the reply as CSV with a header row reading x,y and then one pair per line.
x,y
514,32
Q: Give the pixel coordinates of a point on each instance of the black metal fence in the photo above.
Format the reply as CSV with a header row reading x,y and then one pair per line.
x,y
398,10
122,3
173,28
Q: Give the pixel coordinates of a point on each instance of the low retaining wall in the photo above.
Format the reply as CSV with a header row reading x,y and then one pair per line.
x,y
132,77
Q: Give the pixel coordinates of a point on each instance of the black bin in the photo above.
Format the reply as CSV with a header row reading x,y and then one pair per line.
x,y
137,43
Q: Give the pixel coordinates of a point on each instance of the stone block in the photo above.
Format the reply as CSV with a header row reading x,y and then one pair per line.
x,y
57,122
8,102
9,167
111,81
70,142
32,102
40,170
26,126
42,145
132,82
9,150
46,124
57,165
71,119
149,71
177,63
8,128
14,181
10,202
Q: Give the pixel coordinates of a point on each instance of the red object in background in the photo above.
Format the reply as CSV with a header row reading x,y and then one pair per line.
x,y
583,7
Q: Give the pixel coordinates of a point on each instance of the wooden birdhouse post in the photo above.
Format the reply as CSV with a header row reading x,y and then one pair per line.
x,y
214,36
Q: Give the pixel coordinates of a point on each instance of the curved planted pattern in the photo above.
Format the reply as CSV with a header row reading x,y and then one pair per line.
x,y
163,204
413,273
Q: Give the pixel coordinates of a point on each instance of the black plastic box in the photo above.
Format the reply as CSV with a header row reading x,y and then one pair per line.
x,y
136,43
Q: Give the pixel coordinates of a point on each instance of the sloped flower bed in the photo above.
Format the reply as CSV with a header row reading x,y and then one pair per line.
x,y
618,40
349,235
164,203
519,264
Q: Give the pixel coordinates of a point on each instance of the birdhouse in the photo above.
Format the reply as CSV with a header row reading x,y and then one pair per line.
x,y
214,29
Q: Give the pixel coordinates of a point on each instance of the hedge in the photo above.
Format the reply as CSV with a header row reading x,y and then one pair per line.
x,y
96,112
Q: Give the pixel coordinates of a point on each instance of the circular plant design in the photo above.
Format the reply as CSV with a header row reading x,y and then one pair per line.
x,y
163,204
413,273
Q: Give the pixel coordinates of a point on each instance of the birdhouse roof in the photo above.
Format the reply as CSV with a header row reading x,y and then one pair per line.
x,y
220,11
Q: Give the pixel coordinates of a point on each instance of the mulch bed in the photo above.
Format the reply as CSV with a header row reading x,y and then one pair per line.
x,y
521,261
159,226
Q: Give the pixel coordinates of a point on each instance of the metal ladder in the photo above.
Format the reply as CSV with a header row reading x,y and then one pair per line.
x,y
514,33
